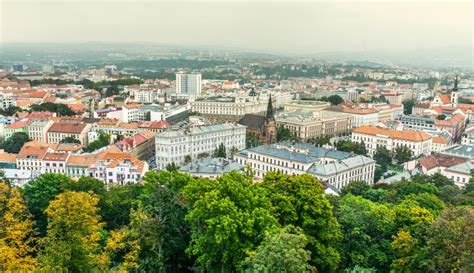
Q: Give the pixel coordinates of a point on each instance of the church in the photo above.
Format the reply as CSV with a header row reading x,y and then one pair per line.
x,y
262,127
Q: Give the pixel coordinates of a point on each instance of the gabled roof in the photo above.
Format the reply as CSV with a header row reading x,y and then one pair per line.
x,y
253,121
408,135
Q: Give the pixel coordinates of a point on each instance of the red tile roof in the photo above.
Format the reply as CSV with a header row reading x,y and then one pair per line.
x,y
415,136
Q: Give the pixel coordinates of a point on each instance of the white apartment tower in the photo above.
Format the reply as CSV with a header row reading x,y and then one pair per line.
x,y
188,84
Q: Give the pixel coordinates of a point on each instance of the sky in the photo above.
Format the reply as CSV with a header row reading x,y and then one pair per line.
x,y
285,27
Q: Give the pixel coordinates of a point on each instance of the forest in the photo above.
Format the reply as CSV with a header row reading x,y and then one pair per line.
x,y
173,222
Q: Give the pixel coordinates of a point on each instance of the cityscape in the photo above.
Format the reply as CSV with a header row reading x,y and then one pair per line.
x,y
119,155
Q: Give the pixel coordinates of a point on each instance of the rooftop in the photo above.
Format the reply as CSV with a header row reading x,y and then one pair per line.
x,y
409,135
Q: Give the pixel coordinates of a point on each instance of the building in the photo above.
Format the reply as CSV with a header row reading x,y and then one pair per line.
x,y
38,129
306,104
462,151
16,127
223,109
460,174
142,145
418,122
209,167
263,128
54,162
334,167
174,146
118,169
31,156
6,102
366,116
468,137
418,142
63,129
188,84
307,124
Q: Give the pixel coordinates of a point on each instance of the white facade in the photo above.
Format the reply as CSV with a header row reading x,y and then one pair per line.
x,y
144,96
38,129
335,167
418,142
174,146
188,84
230,106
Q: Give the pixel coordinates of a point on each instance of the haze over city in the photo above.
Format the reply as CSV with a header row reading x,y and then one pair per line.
x,y
282,27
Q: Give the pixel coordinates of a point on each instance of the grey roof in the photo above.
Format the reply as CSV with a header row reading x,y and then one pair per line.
x,y
210,165
340,165
464,168
466,151
305,153
253,121
199,130
400,176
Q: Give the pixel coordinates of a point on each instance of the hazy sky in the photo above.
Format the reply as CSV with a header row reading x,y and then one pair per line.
x,y
297,27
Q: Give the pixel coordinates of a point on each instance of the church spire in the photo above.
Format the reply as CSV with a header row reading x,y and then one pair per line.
x,y
269,108
455,88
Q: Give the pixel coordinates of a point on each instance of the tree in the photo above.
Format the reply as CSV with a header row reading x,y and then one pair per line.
x,y
320,140
172,167
16,232
367,229
282,251
228,217
349,146
72,239
408,106
160,222
451,242
383,157
402,154
15,142
187,159
70,140
39,192
233,151
284,133
335,99
10,111
359,188
58,108
116,205
251,140
220,151
102,141
300,201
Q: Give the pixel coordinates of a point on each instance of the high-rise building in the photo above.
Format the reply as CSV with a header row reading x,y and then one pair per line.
x,y
17,68
188,84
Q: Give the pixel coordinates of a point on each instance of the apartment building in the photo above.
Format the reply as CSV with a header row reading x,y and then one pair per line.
x,y
306,104
63,129
188,84
419,142
307,124
174,146
334,167
359,116
229,108
38,129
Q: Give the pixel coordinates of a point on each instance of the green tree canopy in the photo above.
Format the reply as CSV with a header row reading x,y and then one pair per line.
x,y
228,217
15,142
300,201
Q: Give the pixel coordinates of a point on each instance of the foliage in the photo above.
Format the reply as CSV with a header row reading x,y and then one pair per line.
x,y
10,111
383,157
102,141
39,192
228,218
282,251
17,241
408,106
70,140
116,205
187,159
172,167
220,151
356,188
366,228
300,201
284,133
349,146
451,241
73,235
320,140
402,154
58,108
162,231
251,140
15,142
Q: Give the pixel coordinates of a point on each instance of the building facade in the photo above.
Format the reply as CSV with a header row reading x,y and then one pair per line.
x,y
188,84
174,146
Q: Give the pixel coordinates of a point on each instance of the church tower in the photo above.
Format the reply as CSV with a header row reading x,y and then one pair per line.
x,y
455,93
270,124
